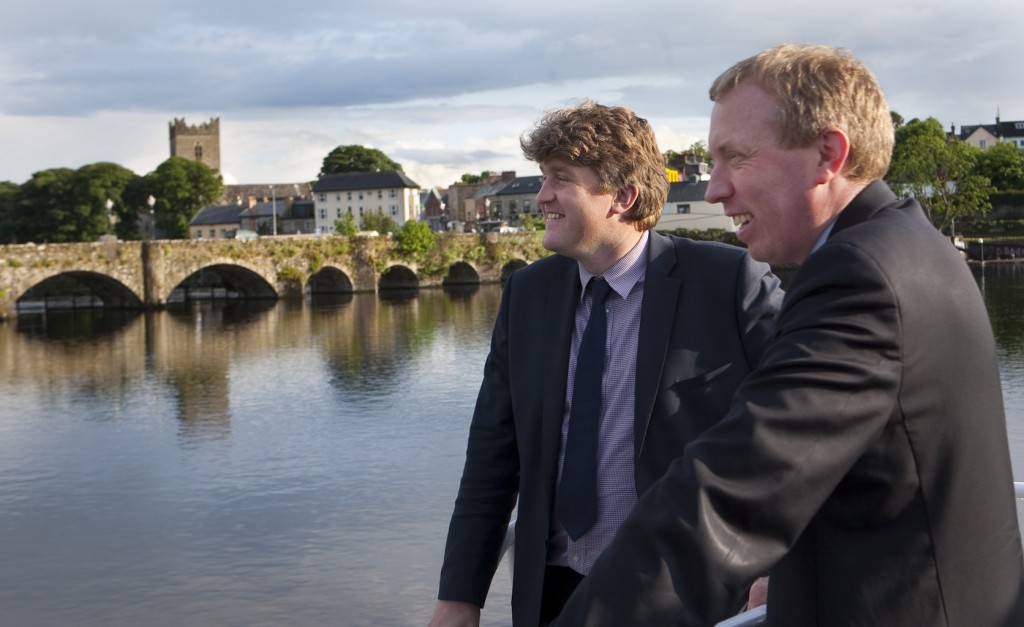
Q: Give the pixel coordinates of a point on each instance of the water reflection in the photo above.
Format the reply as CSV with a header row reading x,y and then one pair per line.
x,y
263,463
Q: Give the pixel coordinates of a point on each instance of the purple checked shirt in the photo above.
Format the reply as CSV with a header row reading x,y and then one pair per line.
x,y
616,488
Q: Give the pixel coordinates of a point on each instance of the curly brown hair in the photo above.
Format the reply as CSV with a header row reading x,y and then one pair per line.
x,y
617,144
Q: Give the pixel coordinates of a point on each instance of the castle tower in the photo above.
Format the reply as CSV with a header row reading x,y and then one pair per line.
x,y
198,142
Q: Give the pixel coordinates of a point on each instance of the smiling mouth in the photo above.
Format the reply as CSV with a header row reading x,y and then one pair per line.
x,y
741,219
553,216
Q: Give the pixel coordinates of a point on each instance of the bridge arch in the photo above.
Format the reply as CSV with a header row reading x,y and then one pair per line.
x,y
510,267
329,280
398,277
108,290
222,280
461,273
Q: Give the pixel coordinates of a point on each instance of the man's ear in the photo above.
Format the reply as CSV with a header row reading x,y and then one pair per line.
x,y
624,199
833,151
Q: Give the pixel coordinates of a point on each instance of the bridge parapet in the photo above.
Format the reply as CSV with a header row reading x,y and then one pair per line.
x,y
146,273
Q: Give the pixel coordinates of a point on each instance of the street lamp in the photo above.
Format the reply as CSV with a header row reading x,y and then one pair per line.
x,y
152,218
273,205
110,215
981,240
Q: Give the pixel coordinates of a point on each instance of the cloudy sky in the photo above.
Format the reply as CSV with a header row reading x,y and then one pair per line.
x,y
447,87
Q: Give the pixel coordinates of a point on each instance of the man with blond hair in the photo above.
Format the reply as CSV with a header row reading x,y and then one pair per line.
x,y
577,433
864,462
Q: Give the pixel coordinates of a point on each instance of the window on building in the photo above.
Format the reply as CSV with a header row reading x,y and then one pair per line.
x,y
338,196
511,205
380,194
323,213
199,152
981,143
1018,125
392,193
394,210
338,213
683,208
350,195
322,196
350,209
526,206
360,212
497,205
360,195
213,233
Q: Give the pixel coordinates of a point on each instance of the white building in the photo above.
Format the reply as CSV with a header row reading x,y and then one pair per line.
x,y
363,193
686,208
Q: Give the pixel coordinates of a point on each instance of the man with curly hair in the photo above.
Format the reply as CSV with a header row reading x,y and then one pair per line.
x,y
685,322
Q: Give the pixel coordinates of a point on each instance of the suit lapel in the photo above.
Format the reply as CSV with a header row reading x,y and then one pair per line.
x,y
559,318
657,316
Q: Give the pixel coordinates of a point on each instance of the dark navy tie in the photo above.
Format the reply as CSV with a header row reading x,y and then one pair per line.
x,y
577,493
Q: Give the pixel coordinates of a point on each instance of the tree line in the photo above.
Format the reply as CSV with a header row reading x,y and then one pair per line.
x,y
952,179
66,205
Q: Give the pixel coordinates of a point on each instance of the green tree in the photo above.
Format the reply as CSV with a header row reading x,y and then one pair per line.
x,y
181,188
357,159
416,238
8,212
377,221
1003,165
42,208
677,160
531,223
346,224
473,179
938,172
897,119
93,186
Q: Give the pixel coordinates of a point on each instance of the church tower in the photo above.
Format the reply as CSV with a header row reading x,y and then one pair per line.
x,y
198,142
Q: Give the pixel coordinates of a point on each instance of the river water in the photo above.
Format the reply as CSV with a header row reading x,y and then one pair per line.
x,y
279,464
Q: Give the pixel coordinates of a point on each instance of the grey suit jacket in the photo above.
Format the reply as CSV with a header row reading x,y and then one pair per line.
x,y
707,313
864,462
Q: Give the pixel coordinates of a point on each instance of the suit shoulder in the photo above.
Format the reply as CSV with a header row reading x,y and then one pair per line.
x,y
543,269
690,253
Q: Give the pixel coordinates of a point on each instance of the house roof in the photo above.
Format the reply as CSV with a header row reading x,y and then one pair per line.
x,y
351,181
686,191
999,129
217,214
521,185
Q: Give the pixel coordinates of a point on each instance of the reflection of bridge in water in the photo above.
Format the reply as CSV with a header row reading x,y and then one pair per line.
x,y
152,274
993,249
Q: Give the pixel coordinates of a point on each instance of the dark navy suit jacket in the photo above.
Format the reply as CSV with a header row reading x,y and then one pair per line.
x,y
707,312
864,462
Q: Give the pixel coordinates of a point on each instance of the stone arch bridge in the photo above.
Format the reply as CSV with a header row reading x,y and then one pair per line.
x,y
150,274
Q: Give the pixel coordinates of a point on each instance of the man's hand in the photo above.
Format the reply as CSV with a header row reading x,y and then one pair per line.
x,y
758,593
455,614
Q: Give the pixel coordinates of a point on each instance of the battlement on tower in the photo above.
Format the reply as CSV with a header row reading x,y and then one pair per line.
x,y
198,142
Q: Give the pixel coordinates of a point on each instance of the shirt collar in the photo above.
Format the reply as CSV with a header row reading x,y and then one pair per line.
x,y
824,236
626,272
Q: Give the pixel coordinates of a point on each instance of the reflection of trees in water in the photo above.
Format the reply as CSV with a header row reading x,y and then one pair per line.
x,y
369,342
75,327
371,345
1002,285
97,351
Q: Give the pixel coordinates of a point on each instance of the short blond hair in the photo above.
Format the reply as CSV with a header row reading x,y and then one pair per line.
x,y
619,146
820,88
